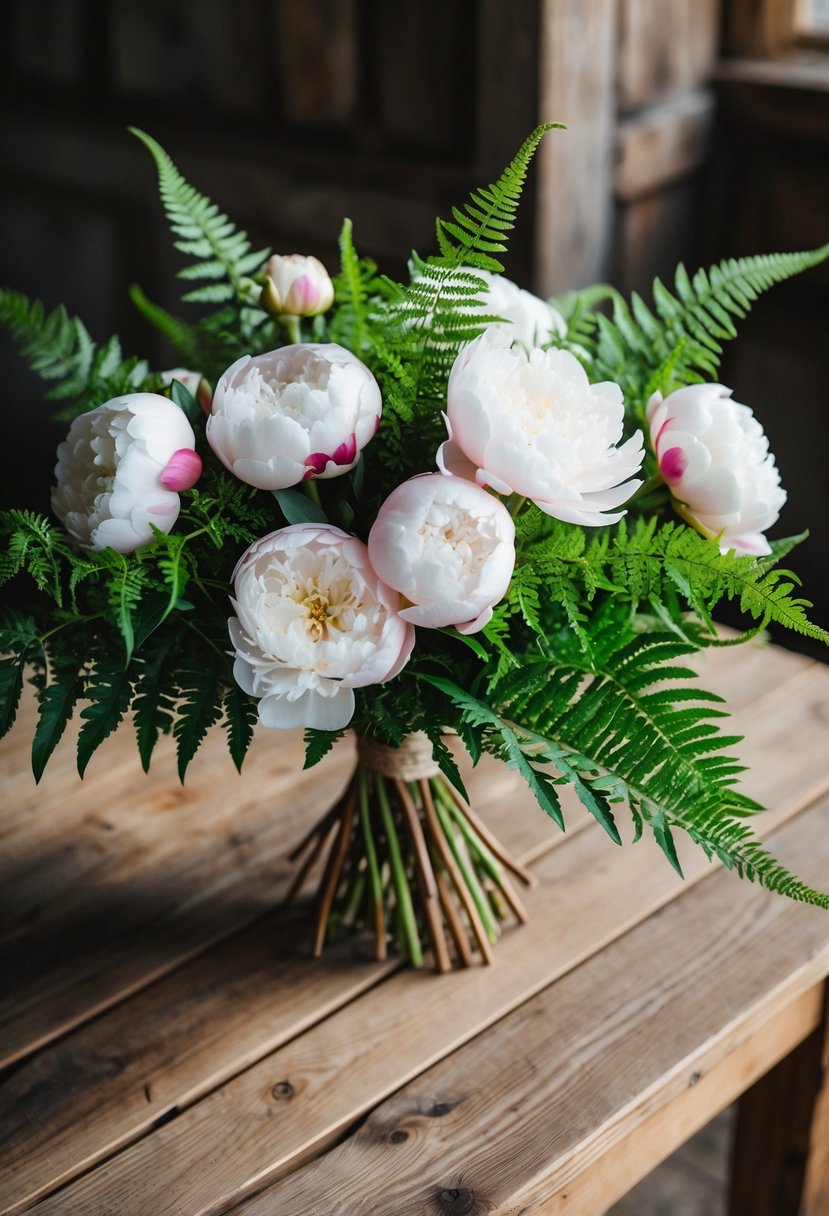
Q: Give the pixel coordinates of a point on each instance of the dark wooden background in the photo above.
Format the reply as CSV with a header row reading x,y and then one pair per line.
x,y
690,137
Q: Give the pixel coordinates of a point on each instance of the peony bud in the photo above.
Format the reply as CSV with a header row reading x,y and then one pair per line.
x,y
181,471
715,459
296,286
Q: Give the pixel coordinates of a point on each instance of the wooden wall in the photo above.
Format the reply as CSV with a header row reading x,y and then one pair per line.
x,y
294,113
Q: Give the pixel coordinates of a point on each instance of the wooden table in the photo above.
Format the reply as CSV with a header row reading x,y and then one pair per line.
x,y
171,1049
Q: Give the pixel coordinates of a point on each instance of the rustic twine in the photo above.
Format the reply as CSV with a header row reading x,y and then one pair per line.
x,y
411,761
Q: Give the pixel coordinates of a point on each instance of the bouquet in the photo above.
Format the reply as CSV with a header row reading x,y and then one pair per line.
x,y
443,513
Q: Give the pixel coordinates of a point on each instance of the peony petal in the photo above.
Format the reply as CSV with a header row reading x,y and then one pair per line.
x,y
310,710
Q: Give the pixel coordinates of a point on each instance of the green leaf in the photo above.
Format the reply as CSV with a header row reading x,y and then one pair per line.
x,y
57,701
298,508
186,402
155,693
240,718
109,690
199,707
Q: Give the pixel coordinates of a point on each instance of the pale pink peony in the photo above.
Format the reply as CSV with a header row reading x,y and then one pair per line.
x,y
120,470
296,286
715,458
301,411
314,622
531,423
447,546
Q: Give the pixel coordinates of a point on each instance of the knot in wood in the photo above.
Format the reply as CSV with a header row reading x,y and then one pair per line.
x,y
283,1091
456,1201
439,1109
411,761
398,1136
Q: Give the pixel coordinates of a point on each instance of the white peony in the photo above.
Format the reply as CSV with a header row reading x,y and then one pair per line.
x,y
302,411
526,318
447,546
121,468
531,423
715,458
314,622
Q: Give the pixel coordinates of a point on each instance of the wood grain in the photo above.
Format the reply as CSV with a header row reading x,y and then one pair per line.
x,y
576,1069
239,1137
574,168
816,1183
665,47
774,1132
662,144
166,1047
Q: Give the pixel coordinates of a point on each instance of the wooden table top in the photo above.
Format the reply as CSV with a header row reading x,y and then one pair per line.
x,y
170,1049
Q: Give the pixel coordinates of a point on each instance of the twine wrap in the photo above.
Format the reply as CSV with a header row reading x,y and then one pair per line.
x,y
411,761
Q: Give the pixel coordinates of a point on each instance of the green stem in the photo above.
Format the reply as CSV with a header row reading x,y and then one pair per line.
x,y
652,484
401,882
312,490
487,859
292,326
467,871
514,504
375,877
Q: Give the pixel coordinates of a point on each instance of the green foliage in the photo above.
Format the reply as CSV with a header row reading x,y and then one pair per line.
x,y
581,675
59,349
223,254
679,340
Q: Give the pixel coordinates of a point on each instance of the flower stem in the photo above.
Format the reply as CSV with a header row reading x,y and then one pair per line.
x,y
292,326
312,490
375,878
401,882
467,870
514,504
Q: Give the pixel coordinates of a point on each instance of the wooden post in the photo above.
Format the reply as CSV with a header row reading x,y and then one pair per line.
x,y
577,71
780,1165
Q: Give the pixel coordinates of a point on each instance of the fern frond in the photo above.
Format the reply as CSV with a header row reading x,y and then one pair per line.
x,y
682,333
108,691
628,707
221,251
33,543
59,349
647,560
178,333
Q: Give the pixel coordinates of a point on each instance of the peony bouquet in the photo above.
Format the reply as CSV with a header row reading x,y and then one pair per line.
x,y
443,513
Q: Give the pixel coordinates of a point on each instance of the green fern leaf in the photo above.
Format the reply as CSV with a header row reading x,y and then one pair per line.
x,y
179,334
240,718
155,693
108,690
221,251
56,703
199,706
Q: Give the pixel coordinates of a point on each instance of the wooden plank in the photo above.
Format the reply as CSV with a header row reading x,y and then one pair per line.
x,y
662,144
665,47
232,1141
116,1078
773,1132
758,28
816,1183
667,1129
86,868
574,168
507,1123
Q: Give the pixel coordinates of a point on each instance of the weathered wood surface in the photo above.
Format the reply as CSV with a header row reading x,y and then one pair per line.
x,y
587,1060
224,1059
776,1130
665,48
